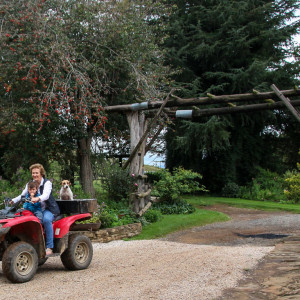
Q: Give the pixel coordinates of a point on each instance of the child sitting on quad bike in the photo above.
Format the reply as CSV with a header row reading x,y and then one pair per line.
x,y
35,208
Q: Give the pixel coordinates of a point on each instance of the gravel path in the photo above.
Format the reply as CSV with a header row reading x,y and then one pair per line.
x,y
191,264
141,270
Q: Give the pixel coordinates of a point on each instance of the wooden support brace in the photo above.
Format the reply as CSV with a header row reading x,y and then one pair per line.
x,y
286,101
141,212
148,147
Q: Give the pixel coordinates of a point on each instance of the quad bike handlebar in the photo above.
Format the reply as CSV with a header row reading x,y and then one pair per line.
x,y
10,211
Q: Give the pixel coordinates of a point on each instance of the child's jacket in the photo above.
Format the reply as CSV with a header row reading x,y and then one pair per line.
x,y
33,207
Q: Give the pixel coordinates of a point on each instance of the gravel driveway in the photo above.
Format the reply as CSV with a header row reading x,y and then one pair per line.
x,y
169,268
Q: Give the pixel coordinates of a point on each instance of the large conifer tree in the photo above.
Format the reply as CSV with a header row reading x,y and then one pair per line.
x,y
227,47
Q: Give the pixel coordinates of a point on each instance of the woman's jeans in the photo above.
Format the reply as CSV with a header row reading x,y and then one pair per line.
x,y
48,218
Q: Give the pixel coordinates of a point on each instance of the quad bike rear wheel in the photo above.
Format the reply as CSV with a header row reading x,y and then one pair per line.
x,y
79,253
19,262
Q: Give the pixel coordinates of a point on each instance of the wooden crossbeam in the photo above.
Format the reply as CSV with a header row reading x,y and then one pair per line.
x,y
237,109
180,102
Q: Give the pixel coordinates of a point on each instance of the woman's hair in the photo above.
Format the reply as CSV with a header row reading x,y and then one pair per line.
x,y
38,166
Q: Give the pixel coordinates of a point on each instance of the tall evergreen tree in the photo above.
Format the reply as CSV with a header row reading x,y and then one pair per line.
x,y
228,47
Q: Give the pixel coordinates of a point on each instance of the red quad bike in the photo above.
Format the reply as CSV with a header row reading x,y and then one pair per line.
x,y
22,240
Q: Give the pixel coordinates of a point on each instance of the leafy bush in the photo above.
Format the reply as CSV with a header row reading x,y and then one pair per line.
x,y
266,186
231,190
181,207
78,192
153,215
116,181
154,176
108,218
171,186
292,184
112,217
20,178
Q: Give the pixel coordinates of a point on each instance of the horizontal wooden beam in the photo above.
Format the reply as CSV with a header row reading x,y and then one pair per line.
x,y
237,109
175,101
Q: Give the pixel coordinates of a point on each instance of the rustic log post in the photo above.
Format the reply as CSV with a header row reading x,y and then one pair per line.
x,y
138,134
142,139
137,125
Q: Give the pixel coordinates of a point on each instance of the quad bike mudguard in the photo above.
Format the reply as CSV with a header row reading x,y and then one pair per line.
x,y
62,227
61,230
25,228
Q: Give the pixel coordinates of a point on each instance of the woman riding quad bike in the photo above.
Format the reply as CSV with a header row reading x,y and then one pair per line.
x,y
22,242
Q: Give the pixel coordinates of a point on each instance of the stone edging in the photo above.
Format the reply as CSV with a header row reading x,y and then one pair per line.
x,y
115,233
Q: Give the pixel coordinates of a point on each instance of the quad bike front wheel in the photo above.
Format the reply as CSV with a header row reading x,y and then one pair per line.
x,y
79,253
19,262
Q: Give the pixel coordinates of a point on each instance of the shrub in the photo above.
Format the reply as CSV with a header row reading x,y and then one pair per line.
x,y
152,215
116,181
181,207
171,186
154,176
78,192
292,184
266,186
108,217
231,189
20,178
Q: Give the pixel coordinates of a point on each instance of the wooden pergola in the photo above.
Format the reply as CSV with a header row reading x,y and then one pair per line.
x,y
140,125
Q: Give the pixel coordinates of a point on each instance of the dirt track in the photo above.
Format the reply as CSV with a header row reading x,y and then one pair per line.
x,y
201,263
246,227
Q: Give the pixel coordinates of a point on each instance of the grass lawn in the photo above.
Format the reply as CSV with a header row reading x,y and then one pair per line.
x,y
172,223
199,201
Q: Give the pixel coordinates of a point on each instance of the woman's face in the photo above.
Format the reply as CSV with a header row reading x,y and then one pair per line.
x,y
36,175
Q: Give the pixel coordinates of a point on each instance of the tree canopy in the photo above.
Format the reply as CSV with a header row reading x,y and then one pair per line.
x,y
61,61
231,47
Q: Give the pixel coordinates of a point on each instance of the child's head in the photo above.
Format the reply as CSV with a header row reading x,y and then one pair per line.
x,y
32,187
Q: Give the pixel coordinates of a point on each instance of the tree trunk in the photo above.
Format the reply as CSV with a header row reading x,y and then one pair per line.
x,y
86,173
